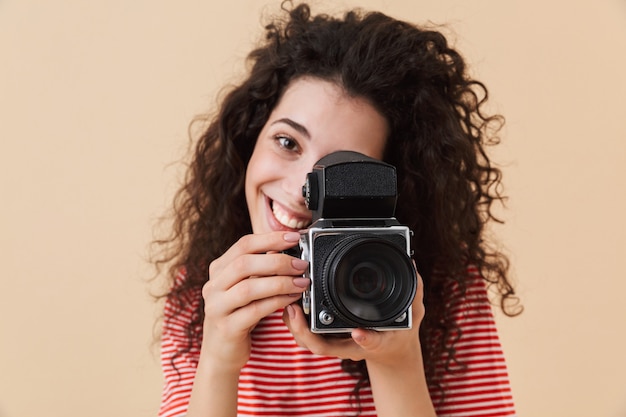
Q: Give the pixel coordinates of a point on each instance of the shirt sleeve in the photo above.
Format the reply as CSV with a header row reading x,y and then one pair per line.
x,y
179,356
476,383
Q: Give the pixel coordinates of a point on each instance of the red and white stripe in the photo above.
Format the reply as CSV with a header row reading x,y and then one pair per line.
x,y
283,379
478,386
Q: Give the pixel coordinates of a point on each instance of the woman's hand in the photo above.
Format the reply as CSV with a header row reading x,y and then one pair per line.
x,y
394,359
250,281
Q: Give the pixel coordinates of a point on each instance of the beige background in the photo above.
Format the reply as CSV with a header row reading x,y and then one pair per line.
x,y
95,98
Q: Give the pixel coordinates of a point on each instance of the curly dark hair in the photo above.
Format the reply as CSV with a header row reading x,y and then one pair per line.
x,y
438,135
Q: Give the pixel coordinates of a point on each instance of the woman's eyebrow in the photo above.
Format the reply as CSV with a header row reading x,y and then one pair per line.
x,y
295,125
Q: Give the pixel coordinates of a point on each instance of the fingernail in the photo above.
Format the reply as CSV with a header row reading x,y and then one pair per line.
x,y
291,311
301,282
359,338
299,264
291,236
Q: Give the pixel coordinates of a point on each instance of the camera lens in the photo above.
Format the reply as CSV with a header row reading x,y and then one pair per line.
x,y
369,281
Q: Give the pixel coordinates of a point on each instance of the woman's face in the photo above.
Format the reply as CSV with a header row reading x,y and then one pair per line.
x,y
312,119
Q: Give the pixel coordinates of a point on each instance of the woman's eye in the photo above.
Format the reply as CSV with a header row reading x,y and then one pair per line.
x,y
287,143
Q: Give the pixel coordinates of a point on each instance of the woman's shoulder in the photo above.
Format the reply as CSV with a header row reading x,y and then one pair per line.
x,y
467,292
181,303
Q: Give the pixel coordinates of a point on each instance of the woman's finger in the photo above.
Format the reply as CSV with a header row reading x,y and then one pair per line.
x,y
341,347
252,290
248,316
247,257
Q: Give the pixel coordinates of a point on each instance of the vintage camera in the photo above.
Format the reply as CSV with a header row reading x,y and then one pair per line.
x,y
360,267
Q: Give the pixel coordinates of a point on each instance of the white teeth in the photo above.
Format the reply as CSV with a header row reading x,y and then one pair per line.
x,y
283,218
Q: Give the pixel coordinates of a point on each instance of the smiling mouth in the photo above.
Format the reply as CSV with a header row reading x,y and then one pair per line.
x,y
286,219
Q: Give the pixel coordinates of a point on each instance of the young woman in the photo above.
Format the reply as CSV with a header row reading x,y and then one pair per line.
x,y
235,340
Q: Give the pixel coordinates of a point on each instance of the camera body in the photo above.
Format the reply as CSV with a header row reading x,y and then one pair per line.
x,y
359,255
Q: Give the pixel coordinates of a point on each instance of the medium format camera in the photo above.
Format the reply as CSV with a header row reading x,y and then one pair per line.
x,y
360,267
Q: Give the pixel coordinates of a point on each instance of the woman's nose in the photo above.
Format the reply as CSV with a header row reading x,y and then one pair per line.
x,y
293,184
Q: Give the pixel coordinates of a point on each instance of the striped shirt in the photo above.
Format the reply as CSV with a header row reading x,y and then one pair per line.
x,y
283,379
